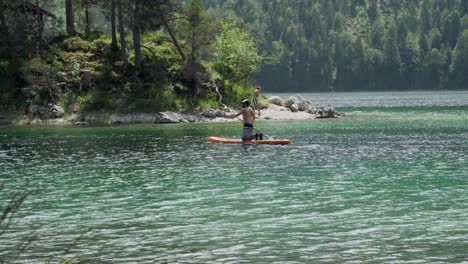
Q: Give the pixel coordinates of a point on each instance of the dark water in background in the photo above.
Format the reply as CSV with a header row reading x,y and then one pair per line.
x,y
387,184
387,99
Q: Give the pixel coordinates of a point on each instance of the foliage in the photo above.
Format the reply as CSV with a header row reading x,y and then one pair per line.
x,y
460,60
200,31
285,45
209,102
235,93
337,45
236,54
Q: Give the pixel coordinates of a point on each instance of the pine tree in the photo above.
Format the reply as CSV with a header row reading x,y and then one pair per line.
x,y
426,17
70,17
391,51
459,66
114,44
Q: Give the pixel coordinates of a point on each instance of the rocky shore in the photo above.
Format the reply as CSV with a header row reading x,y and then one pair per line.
x,y
278,109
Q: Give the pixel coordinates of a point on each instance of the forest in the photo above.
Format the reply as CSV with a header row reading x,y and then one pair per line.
x,y
122,56
349,45
151,55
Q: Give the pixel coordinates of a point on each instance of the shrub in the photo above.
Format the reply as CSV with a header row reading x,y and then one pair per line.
x,y
102,46
96,102
209,102
74,44
235,93
152,97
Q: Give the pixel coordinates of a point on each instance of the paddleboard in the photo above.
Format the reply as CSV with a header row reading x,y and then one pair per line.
x,y
259,142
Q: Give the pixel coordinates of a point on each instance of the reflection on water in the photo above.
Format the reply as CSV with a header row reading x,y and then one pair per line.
x,y
357,189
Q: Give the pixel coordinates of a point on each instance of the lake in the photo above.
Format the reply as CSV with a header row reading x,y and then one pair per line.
x,y
388,183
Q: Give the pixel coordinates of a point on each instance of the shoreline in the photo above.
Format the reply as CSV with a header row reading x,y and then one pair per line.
x,y
272,113
295,108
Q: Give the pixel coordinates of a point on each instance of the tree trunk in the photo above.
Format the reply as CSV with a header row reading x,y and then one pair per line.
x,y
40,28
123,44
3,25
70,18
193,46
174,39
114,44
87,22
136,35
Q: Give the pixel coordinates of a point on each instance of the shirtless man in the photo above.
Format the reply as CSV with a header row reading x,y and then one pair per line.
x,y
248,115
256,97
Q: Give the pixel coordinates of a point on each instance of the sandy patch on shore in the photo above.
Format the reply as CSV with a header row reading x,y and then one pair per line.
x,y
279,113
273,113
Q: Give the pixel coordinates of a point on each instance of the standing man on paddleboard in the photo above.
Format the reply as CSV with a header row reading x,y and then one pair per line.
x,y
248,115
256,98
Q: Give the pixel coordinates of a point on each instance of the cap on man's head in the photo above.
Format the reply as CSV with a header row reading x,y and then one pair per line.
x,y
245,102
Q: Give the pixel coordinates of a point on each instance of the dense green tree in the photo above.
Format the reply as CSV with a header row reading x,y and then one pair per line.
x,y
423,44
123,41
377,30
86,5
236,54
435,39
426,17
70,17
464,23
136,32
114,44
434,67
391,51
200,29
460,60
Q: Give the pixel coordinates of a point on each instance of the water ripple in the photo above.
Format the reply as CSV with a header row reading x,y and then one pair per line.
x,y
353,191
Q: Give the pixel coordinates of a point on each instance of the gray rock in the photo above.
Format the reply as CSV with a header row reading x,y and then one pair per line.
x,y
92,119
211,113
276,100
294,107
56,111
121,120
170,118
192,118
39,111
291,100
311,110
143,118
81,123
328,112
300,101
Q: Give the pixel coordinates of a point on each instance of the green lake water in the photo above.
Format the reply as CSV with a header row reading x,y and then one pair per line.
x,y
386,184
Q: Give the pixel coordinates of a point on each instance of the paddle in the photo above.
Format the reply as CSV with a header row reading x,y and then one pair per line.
x,y
269,137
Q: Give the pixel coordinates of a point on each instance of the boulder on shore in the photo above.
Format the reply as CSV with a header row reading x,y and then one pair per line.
x,y
135,119
300,103
38,111
294,107
276,100
211,113
170,118
56,111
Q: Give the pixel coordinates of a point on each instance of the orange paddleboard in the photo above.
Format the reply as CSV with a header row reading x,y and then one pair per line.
x,y
259,142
